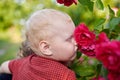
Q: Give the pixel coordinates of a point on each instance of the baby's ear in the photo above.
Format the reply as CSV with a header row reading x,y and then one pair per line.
x,y
44,48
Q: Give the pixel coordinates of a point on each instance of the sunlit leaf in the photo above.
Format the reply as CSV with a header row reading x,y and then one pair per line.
x,y
87,3
111,12
118,13
99,4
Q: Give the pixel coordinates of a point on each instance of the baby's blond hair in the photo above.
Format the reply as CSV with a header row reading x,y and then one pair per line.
x,y
40,26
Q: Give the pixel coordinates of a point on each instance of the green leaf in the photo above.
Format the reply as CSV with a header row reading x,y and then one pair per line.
x,y
79,54
107,31
118,38
113,35
114,22
83,70
99,66
82,78
118,13
87,3
111,12
99,4
104,72
99,24
117,29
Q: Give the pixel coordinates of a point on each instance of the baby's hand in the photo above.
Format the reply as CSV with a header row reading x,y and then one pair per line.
x,y
4,67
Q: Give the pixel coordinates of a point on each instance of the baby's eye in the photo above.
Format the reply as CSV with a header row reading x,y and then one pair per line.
x,y
69,39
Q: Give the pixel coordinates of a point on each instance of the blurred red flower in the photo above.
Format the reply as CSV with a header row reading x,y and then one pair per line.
x,y
109,54
113,76
67,2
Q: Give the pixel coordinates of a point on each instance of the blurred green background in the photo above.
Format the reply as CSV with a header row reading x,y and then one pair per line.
x,y
14,13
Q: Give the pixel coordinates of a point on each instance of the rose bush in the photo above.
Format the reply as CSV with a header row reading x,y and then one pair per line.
x,y
106,51
99,50
67,2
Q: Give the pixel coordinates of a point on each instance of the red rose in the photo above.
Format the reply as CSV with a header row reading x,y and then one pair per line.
x,y
60,1
83,36
113,76
85,39
102,37
109,54
88,50
67,2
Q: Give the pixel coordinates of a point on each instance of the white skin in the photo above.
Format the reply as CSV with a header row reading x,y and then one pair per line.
x,y
62,47
4,67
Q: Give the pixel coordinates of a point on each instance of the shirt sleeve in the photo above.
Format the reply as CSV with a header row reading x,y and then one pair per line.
x,y
71,76
15,64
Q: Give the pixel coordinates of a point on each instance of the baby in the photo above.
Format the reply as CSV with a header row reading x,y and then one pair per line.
x,y
49,34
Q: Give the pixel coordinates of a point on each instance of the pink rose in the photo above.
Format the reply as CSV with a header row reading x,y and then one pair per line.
x,y
109,54
67,2
85,39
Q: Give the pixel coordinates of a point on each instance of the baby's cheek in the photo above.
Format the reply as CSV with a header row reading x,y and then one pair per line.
x,y
72,49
